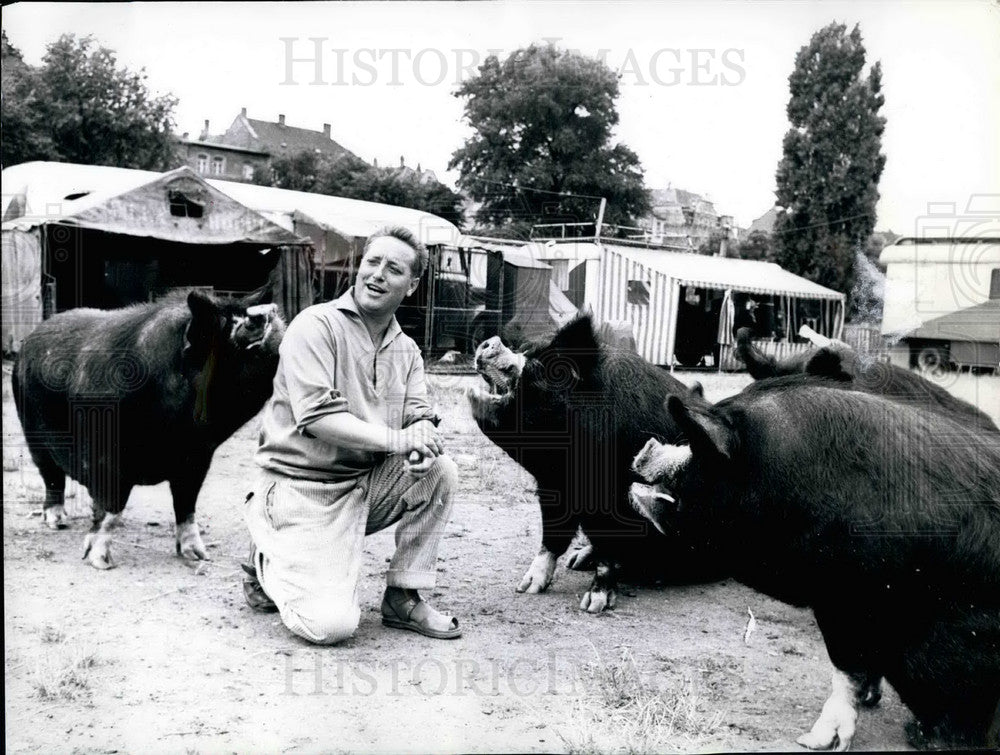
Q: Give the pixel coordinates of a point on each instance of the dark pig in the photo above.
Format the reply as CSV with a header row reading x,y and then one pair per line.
x,y
882,517
573,413
140,395
841,363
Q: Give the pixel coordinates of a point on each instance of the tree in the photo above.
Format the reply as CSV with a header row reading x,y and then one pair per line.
x,y
348,176
80,106
758,245
24,136
298,172
542,150
827,180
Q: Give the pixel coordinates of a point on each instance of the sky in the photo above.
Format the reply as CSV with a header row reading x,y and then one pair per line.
x,y
704,85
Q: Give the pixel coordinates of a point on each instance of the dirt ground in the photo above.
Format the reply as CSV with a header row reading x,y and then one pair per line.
x,y
157,656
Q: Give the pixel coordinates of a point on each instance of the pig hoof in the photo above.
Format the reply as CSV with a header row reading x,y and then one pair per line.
x,y
833,730
539,574
97,551
55,518
581,559
595,601
189,544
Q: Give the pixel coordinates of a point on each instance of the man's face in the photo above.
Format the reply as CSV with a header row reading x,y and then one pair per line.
x,y
385,276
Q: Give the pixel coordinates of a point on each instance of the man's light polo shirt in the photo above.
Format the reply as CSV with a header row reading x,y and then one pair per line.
x,y
328,364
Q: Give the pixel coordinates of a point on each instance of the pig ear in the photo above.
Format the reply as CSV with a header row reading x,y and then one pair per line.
x,y
576,335
758,365
574,349
828,363
205,323
743,336
262,295
705,433
201,305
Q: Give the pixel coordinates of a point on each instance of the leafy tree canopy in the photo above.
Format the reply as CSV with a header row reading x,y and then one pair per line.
x,y
542,150
827,180
348,176
758,245
81,106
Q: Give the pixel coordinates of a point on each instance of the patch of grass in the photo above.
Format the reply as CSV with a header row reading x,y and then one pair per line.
x,y
623,713
52,634
64,673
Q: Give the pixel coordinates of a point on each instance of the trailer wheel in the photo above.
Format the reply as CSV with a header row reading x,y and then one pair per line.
x,y
932,359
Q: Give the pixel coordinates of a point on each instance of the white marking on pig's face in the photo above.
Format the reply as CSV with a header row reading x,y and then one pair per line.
x,y
660,462
498,365
253,329
268,310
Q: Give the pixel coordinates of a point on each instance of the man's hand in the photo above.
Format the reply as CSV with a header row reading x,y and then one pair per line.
x,y
421,443
417,465
421,437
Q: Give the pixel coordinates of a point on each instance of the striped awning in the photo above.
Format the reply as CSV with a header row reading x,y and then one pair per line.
x,y
749,276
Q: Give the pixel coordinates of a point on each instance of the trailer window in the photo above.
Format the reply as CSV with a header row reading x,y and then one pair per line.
x,y
638,293
995,283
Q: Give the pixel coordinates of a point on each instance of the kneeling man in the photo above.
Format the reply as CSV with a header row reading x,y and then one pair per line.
x,y
349,446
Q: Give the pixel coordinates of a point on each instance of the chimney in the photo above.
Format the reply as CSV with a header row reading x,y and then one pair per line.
x,y
401,163
204,133
185,135
281,119
374,162
326,130
243,112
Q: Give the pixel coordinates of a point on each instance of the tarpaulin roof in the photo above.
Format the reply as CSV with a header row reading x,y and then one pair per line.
x,y
978,323
348,217
516,254
175,206
703,271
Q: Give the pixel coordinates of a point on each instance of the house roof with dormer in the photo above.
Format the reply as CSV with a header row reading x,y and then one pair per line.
x,y
277,138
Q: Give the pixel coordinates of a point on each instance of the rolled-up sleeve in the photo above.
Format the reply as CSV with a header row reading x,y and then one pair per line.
x,y
416,406
309,362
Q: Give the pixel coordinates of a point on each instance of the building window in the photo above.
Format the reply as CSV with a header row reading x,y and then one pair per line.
x,y
218,165
203,163
186,204
247,172
995,283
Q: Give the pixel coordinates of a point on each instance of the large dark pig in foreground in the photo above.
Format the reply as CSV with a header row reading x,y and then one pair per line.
x,y
883,517
140,395
573,414
839,362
